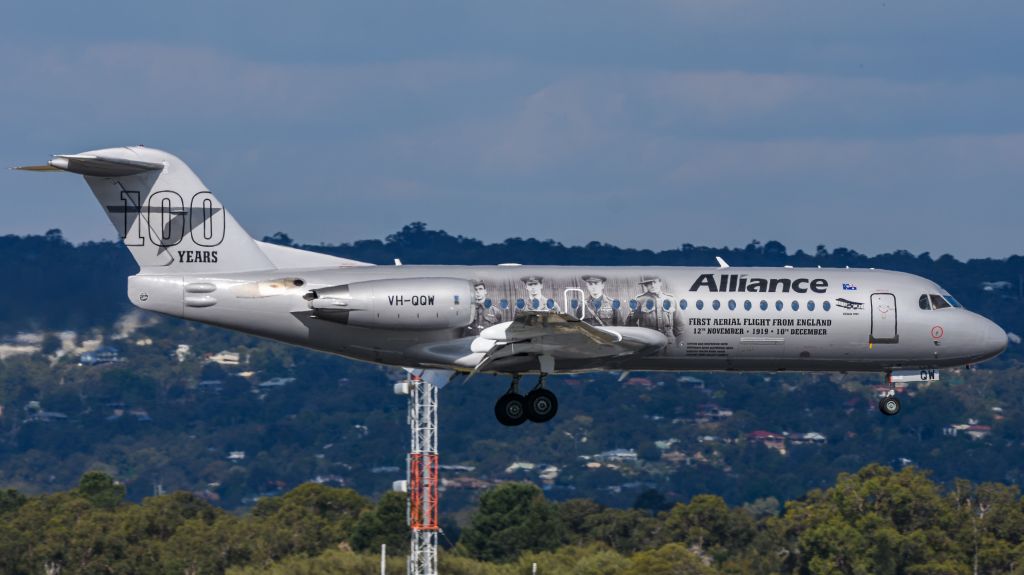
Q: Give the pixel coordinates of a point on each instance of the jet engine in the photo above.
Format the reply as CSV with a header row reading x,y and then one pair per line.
x,y
414,304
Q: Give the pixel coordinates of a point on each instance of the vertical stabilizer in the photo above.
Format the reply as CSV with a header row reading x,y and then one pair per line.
x,y
164,214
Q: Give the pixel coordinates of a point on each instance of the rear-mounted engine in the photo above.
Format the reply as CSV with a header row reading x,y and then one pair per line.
x,y
420,303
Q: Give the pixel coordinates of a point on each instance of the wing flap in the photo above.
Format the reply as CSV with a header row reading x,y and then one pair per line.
x,y
533,334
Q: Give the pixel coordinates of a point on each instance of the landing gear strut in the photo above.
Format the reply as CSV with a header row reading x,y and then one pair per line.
x,y
539,406
889,404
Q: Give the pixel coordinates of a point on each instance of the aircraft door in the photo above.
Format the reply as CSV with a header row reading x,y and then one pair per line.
x,y
575,299
883,319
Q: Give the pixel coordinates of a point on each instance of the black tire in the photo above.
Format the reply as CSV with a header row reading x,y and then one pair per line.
x,y
510,409
889,405
541,405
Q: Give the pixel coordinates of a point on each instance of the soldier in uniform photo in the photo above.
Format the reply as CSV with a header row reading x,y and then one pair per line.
x,y
651,311
598,306
484,316
535,299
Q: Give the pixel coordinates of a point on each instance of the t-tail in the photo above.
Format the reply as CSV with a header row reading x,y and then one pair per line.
x,y
164,214
169,220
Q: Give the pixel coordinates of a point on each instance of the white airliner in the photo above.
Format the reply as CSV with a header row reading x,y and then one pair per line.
x,y
197,262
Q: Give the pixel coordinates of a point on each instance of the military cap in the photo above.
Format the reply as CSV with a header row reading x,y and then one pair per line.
x,y
648,279
478,283
594,278
533,278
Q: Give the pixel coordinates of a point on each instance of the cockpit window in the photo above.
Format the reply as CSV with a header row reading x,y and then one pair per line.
x,y
938,302
952,301
923,302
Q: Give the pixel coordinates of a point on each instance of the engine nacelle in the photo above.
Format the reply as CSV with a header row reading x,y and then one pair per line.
x,y
419,303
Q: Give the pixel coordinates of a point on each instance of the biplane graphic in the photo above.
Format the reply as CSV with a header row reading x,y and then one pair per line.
x,y
847,304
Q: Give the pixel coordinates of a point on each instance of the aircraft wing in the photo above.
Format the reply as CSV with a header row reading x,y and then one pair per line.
x,y
533,334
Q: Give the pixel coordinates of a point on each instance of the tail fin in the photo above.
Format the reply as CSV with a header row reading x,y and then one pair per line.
x,y
167,218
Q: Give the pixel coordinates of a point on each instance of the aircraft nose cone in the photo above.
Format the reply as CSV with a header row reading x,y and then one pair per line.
x,y
990,340
994,338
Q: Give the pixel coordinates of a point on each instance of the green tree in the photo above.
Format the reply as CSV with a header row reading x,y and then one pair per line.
x,y
512,518
876,521
707,523
100,489
308,519
670,559
385,523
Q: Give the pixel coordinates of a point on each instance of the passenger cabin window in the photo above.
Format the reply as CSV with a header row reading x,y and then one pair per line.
x,y
923,301
764,305
826,305
667,305
747,305
796,305
616,304
810,305
732,304
700,304
778,305
682,304
488,303
503,303
938,302
715,304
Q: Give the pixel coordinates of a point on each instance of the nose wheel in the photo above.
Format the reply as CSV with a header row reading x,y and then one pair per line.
x,y
889,405
539,405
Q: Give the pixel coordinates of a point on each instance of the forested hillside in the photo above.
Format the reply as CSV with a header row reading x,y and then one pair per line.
x,y
875,521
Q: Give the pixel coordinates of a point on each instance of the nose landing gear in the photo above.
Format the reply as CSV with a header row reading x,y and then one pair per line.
x,y
889,404
539,405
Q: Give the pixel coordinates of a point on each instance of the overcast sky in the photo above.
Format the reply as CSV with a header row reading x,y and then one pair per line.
x,y
870,125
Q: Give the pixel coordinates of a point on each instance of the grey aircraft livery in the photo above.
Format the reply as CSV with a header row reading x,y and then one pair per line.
x,y
196,262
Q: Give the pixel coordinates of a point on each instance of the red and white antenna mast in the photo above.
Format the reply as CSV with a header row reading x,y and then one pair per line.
x,y
423,476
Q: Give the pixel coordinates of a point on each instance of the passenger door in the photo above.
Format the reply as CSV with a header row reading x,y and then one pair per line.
x,y
883,319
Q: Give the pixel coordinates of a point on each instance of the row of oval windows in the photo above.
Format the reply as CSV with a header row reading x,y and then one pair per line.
x,y
666,304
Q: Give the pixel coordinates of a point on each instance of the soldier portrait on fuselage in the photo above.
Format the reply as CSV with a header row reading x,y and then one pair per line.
x,y
535,299
599,308
485,313
656,310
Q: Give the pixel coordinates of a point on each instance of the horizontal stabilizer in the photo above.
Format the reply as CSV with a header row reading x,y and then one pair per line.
x,y
43,168
91,165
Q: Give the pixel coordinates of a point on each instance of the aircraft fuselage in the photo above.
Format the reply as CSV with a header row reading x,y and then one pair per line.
x,y
759,319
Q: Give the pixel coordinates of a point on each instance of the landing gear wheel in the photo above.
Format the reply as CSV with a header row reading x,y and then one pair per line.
x,y
889,405
510,409
541,405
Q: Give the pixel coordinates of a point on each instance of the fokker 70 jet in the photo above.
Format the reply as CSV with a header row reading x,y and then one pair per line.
x,y
196,262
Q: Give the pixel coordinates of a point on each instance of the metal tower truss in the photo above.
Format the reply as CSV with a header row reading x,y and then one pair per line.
x,y
423,476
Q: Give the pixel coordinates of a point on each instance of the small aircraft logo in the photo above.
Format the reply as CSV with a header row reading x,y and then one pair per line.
x,y
847,304
849,287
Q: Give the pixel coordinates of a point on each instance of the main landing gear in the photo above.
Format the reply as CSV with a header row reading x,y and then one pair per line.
x,y
539,405
889,404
